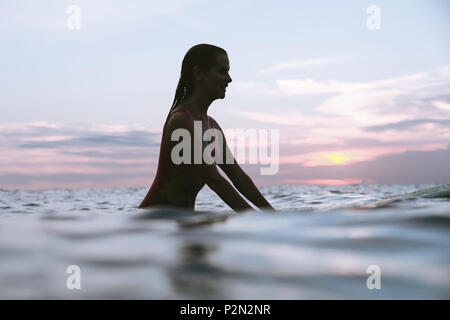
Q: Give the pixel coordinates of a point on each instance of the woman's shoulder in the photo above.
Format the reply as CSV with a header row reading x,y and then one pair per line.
x,y
178,118
180,111
176,114
214,122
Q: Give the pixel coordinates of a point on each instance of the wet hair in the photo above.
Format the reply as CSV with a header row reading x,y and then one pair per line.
x,y
202,55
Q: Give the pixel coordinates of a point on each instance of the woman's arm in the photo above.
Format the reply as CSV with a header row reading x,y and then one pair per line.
x,y
245,185
228,194
240,179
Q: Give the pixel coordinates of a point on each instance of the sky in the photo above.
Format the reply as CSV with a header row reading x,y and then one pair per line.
x,y
357,95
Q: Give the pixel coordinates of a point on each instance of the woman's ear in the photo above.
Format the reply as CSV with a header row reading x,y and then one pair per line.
x,y
197,73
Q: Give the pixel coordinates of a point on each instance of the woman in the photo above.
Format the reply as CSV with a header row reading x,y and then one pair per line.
x,y
204,78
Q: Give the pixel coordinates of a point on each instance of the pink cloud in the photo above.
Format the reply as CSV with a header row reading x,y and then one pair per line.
x,y
38,152
325,182
348,156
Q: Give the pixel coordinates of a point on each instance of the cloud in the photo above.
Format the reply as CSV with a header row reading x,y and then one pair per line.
x,y
40,155
410,167
311,139
404,125
299,64
353,155
93,165
362,121
443,105
398,99
288,118
253,88
310,86
133,138
76,180
431,82
50,135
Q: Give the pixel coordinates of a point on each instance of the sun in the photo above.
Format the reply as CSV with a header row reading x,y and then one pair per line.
x,y
337,158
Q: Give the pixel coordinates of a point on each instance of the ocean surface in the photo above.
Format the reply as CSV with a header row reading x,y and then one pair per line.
x,y
332,242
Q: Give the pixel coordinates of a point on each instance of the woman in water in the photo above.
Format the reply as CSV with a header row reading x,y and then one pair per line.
x,y
204,78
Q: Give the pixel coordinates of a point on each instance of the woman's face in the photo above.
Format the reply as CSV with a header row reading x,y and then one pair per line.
x,y
217,78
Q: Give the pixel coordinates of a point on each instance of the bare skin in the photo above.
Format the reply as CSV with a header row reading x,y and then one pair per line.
x,y
189,179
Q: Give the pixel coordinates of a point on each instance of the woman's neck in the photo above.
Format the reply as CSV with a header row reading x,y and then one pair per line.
x,y
198,104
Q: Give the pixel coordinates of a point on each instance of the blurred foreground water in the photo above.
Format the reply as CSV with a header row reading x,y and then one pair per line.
x,y
318,244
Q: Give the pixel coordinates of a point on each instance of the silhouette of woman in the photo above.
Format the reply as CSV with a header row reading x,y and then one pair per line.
x,y
204,78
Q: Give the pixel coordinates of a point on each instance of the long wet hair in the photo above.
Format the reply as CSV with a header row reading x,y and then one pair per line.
x,y
202,55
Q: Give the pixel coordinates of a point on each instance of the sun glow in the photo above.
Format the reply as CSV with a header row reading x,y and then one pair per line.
x,y
337,158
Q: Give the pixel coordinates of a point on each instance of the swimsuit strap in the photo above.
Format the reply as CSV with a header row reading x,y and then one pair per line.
x,y
181,110
210,121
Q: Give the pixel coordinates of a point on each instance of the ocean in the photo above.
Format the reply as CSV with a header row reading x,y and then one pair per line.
x,y
323,242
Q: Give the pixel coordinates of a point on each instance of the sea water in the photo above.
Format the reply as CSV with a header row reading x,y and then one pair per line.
x,y
321,243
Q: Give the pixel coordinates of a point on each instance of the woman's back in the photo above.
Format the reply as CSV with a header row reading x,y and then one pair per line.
x,y
175,185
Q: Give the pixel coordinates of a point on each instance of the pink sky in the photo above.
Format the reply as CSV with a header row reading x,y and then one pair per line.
x,y
312,150
386,131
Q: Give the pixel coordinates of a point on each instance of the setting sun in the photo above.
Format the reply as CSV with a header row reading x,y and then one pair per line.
x,y
337,158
